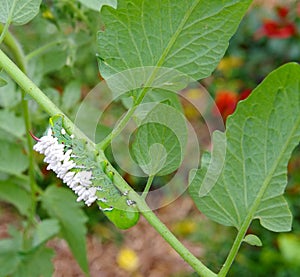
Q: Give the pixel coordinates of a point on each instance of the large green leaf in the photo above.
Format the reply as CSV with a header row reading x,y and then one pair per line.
x,y
12,159
247,173
190,36
61,204
23,10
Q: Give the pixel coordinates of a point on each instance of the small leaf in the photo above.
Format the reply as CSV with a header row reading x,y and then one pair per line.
x,y
253,240
12,161
24,10
247,172
14,194
61,204
44,231
11,124
98,4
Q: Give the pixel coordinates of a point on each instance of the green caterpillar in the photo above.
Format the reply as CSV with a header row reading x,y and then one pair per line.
x,y
81,170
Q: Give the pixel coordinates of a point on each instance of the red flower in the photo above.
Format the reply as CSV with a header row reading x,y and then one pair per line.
x,y
282,12
225,103
274,29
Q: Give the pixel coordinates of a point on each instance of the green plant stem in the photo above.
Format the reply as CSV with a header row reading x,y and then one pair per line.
x,y
143,92
13,46
201,269
28,86
118,129
41,50
147,187
4,31
123,122
234,250
161,228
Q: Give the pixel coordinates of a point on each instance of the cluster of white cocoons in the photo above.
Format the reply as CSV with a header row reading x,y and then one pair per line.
x,y
60,161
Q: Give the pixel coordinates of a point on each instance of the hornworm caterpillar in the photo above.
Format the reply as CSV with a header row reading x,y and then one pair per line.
x,y
81,170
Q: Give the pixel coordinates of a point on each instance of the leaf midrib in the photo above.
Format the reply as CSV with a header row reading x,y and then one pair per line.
x,y
176,34
266,183
164,54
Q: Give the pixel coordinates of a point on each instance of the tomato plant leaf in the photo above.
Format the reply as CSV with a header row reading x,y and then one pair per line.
x,y
36,263
13,160
190,36
44,231
23,11
246,180
61,204
15,195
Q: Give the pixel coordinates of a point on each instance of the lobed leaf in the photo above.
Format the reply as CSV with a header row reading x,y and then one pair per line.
x,y
247,172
